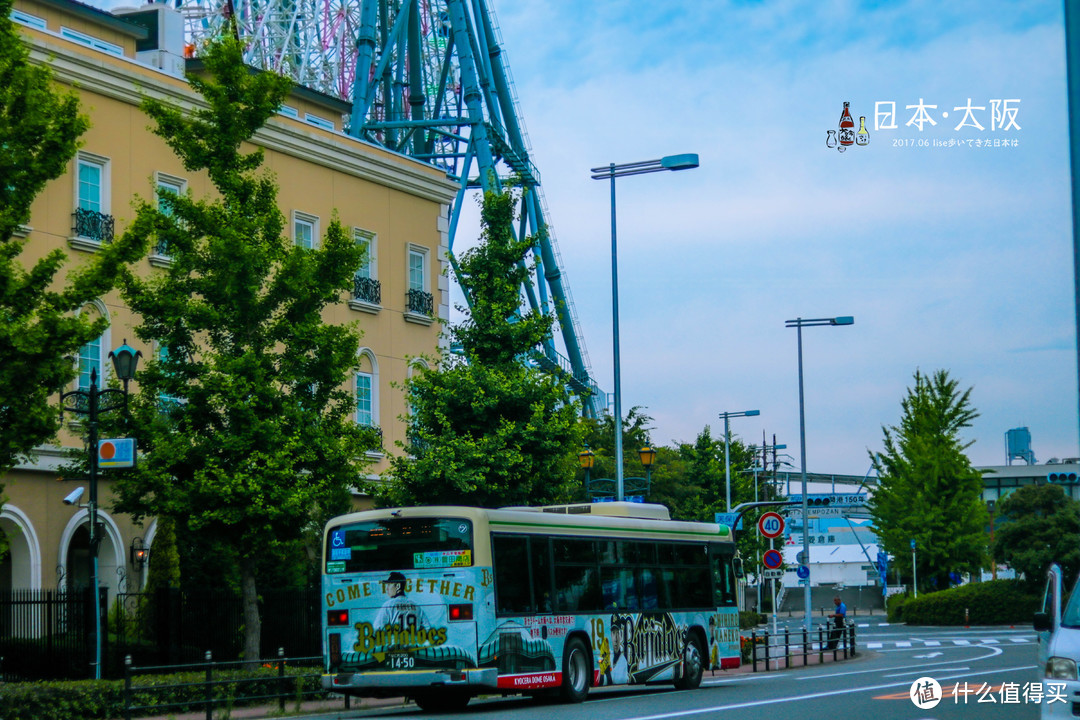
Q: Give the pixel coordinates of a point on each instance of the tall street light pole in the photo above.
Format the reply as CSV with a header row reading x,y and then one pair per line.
x,y
799,324
612,171
727,449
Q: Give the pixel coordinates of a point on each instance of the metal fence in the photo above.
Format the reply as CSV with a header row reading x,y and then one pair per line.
x,y
46,633
220,685
788,647
50,632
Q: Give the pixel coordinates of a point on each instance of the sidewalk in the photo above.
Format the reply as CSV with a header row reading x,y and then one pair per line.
x,y
258,712
335,707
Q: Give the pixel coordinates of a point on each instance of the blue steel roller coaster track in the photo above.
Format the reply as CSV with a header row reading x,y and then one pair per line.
x,y
426,78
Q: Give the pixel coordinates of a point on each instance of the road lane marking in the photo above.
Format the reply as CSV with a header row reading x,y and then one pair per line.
x,y
919,672
811,696
994,653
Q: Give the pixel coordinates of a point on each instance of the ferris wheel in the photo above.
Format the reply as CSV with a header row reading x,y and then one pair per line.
x,y
425,78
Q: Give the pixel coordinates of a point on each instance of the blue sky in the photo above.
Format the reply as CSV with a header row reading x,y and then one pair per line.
x,y
949,257
956,258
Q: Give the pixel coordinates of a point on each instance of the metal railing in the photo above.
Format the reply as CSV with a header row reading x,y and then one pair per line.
x,y
420,302
93,225
219,685
367,290
786,646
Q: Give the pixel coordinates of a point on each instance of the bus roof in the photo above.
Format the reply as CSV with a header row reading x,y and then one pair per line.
x,y
608,521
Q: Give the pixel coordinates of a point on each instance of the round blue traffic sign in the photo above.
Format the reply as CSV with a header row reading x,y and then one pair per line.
x,y
772,559
803,572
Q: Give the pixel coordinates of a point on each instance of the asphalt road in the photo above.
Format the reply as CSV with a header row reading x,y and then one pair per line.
x,y
983,673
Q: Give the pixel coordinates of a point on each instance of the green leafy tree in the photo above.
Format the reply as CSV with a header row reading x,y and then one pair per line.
x,y
40,128
486,428
243,417
1035,526
928,491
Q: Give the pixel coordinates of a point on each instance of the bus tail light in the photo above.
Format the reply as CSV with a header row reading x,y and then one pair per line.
x,y
461,612
334,646
337,617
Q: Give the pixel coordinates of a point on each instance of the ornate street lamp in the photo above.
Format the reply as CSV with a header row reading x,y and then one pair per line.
x,y
91,403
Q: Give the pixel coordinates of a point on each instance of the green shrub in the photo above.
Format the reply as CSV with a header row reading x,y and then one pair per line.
x,y
749,620
91,699
894,607
998,602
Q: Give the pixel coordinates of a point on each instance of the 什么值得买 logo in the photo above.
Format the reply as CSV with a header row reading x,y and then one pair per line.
x,y
846,135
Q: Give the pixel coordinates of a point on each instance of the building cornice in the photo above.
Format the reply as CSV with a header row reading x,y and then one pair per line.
x,y
129,81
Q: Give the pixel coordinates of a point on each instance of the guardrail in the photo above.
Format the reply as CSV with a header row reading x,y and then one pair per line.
x,y
774,647
219,686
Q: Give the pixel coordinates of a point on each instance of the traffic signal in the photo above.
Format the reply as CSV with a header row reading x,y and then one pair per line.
x,y
1061,477
818,500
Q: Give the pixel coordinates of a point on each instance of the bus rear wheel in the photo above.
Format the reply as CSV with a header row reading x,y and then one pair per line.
x,y
576,668
693,665
442,701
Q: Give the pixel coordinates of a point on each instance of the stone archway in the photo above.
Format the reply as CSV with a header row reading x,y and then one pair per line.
x,y
20,569
74,560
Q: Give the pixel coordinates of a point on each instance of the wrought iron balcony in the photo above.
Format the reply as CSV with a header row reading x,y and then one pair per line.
x,y
420,302
367,290
93,225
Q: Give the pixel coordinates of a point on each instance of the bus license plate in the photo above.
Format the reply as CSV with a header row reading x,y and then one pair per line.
x,y
401,661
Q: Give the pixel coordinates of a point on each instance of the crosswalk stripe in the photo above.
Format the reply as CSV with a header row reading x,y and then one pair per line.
x,y
903,644
873,646
989,641
961,642
932,643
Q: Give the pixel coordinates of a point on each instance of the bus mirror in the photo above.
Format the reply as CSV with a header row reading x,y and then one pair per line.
x,y
736,563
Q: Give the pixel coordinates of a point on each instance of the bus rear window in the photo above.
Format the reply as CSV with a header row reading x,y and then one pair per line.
x,y
399,544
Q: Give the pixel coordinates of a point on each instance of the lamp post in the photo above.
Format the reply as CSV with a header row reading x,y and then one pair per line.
x,y
610,172
91,403
799,324
990,504
727,450
647,456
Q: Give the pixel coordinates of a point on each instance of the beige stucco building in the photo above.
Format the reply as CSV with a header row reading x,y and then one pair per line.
x,y
396,205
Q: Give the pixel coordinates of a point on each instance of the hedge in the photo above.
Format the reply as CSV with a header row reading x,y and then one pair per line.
x,y
93,699
997,602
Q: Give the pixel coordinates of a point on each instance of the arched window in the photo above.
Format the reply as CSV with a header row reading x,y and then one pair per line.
x,y
366,389
92,355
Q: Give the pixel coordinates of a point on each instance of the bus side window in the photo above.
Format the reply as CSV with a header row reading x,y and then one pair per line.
x,y
511,560
619,591
541,573
647,589
577,589
723,580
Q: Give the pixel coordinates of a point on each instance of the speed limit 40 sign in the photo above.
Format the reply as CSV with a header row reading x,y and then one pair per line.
x,y
771,525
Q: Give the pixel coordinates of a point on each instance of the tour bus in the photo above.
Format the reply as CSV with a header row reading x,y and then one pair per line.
x,y
443,603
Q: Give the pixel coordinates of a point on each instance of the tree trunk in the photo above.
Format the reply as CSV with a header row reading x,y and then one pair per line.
x,y
252,621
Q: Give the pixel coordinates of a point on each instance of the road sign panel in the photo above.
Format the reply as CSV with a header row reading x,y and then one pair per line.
x,y
801,557
728,519
771,525
116,453
772,559
772,574
832,499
